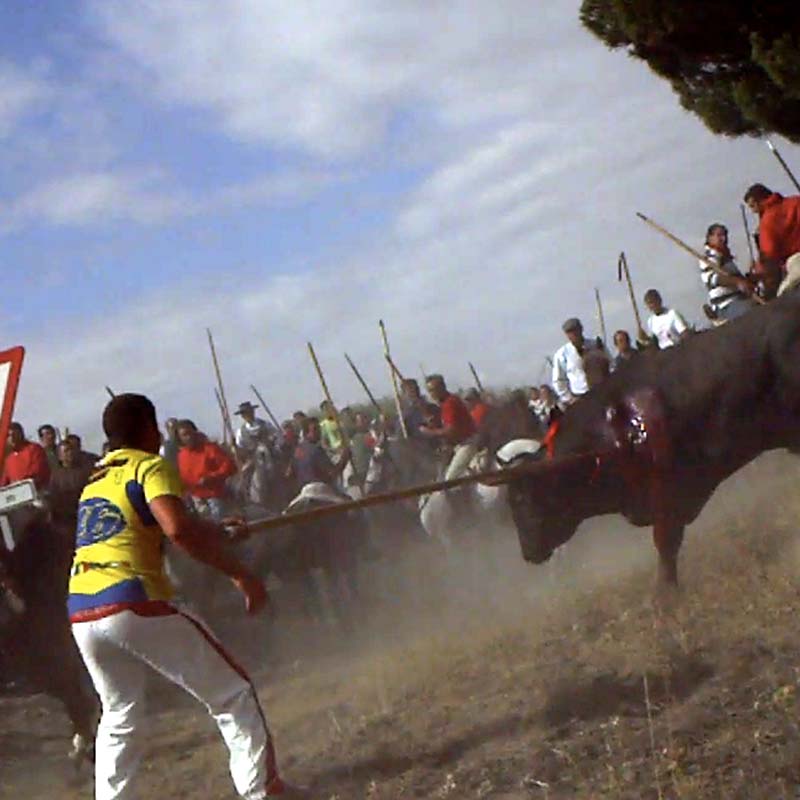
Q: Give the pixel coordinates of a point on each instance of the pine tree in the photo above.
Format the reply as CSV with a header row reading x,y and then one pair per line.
x,y
735,65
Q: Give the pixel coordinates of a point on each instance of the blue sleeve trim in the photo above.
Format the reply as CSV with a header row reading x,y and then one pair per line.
x,y
135,494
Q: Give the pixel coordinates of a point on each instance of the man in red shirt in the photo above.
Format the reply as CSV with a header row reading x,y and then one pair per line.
x,y
778,233
476,406
457,429
24,460
204,468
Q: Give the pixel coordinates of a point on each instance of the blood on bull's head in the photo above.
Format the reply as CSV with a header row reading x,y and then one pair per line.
x,y
548,507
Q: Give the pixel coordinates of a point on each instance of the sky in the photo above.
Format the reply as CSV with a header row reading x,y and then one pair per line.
x,y
291,172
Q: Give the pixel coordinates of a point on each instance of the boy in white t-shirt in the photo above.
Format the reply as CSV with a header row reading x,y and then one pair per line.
x,y
666,325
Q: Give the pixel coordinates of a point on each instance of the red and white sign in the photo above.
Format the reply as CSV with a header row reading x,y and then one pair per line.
x,y
10,368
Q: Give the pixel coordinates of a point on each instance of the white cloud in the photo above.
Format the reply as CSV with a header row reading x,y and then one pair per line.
x,y
93,198
20,93
146,197
329,76
537,148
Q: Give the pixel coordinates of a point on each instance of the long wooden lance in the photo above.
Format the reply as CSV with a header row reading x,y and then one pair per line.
x,y
227,431
747,233
222,399
696,253
272,417
587,460
785,166
364,386
394,372
475,375
601,318
326,392
622,269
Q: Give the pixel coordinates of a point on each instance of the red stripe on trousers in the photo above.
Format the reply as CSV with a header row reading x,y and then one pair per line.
x,y
274,783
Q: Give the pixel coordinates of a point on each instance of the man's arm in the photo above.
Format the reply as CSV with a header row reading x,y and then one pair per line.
x,y
444,430
680,325
560,380
713,279
769,244
225,465
203,541
41,468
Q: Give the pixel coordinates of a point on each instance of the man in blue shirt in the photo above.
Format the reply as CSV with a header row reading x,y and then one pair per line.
x,y
311,463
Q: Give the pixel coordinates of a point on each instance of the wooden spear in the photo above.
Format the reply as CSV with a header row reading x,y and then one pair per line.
x,y
785,166
475,375
747,233
394,368
622,269
395,373
222,399
266,408
588,460
601,318
696,253
364,385
326,392
225,420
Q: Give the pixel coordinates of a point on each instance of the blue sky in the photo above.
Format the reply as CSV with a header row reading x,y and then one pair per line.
x,y
283,172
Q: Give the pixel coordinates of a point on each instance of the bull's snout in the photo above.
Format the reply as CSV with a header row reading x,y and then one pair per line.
x,y
533,549
529,524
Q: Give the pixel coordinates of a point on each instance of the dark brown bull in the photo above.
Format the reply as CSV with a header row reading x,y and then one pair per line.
x,y
655,440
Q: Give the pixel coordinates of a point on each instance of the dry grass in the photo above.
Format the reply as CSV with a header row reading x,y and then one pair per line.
x,y
577,690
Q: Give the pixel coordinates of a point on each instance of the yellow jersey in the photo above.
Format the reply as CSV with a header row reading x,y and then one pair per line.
x,y
118,543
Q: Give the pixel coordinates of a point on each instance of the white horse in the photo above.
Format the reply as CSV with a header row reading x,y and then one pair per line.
x,y
440,512
399,463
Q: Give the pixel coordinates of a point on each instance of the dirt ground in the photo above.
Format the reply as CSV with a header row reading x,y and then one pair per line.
x,y
478,676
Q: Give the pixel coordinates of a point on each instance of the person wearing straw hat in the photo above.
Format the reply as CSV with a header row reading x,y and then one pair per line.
x,y
254,441
253,430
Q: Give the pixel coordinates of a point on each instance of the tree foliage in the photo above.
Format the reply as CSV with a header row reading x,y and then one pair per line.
x,y
735,65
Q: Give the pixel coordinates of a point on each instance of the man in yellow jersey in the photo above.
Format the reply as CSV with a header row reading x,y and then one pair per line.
x,y
123,620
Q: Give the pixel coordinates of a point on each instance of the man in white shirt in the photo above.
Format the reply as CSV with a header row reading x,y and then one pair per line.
x,y
665,325
254,441
253,431
569,374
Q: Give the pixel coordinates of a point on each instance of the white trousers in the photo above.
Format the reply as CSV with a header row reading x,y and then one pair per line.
x,y
459,463
436,510
792,274
120,649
